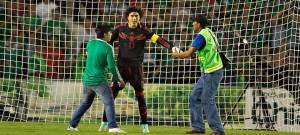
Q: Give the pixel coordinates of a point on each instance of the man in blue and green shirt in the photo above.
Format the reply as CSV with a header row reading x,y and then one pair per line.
x,y
203,94
100,58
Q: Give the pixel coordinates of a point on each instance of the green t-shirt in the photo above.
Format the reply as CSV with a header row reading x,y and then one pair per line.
x,y
56,27
37,64
100,59
12,63
32,23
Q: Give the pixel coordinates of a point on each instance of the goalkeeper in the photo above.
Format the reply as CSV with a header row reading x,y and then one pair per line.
x,y
203,94
132,38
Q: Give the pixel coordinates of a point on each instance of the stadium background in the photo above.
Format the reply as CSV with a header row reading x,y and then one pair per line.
x,y
42,59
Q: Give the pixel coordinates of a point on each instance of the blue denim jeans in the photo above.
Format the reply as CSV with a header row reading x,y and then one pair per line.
x,y
203,99
105,94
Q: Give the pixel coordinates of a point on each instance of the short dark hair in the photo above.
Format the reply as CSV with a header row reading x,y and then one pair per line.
x,y
202,20
101,29
134,9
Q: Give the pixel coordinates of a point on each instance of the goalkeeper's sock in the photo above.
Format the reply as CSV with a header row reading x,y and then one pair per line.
x,y
145,128
103,126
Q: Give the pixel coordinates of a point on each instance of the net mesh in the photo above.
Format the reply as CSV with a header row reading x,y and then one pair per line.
x,y
42,45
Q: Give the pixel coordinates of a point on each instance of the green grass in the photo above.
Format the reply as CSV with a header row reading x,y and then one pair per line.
x,y
31,128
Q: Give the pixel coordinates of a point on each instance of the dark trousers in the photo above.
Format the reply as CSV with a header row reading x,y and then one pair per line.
x,y
134,75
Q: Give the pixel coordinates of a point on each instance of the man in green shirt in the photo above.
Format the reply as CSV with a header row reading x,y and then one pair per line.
x,y
32,22
100,58
56,26
203,94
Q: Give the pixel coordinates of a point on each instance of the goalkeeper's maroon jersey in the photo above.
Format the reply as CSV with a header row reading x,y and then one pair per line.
x,y
132,42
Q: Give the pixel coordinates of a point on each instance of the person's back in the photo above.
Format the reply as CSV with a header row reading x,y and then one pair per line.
x,y
96,62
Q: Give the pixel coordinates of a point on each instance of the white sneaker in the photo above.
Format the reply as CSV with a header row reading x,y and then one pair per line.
x,y
116,130
72,129
103,126
145,128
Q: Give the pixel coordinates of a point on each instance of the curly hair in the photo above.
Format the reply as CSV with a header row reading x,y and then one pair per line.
x,y
134,9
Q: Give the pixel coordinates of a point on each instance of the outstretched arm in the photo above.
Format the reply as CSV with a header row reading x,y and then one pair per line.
x,y
163,42
184,54
154,38
198,44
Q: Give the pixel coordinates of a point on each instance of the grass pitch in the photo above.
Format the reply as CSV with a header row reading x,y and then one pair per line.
x,y
31,128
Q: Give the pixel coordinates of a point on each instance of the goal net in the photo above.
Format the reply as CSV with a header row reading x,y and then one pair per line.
x,y
42,59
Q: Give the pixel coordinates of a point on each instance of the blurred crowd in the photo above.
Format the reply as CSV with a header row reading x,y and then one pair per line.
x,y
47,38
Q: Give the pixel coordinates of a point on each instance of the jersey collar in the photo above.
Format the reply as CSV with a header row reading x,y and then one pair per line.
x,y
100,40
